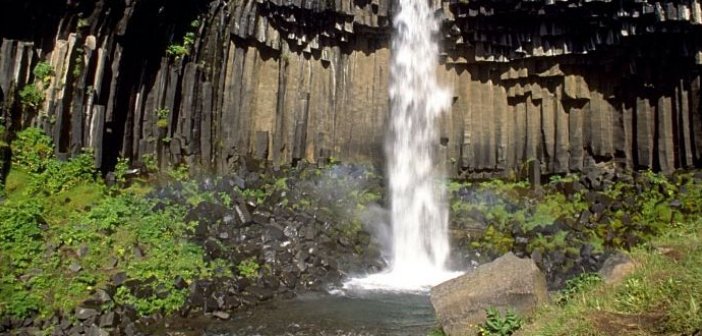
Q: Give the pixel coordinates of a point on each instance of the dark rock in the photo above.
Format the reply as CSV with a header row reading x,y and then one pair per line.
x,y
180,282
83,313
261,294
221,315
82,251
96,331
99,298
130,330
111,263
137,252
108,320
76,330
119,278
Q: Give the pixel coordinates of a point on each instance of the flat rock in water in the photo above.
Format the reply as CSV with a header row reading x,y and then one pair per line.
x,y
506,283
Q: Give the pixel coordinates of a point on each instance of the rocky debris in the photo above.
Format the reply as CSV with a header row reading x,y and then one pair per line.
x,y
507,282
617,267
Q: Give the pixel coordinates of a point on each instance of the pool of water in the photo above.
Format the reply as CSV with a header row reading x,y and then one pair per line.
x,y
351,314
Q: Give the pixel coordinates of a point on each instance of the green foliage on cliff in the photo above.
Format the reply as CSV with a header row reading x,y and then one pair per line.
x,y
31,95
179,50
63,234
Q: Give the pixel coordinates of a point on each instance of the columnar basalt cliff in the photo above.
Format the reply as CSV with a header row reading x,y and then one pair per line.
x,y
215,84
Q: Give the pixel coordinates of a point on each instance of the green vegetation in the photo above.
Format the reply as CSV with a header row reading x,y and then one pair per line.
x,y
660,298
183,49
631,212
162,114
436,332
32,95
63,234
577,287
43,71
121,169
150,163
180,172
248,268
499,325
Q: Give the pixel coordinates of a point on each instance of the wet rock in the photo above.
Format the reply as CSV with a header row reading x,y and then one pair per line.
x,y
461,302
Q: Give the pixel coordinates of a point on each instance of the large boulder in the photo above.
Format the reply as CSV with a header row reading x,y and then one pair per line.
x,y
508,283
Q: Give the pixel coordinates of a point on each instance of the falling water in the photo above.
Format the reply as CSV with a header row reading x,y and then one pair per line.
x,y
419,216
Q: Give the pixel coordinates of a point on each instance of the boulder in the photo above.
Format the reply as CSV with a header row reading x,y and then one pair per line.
x,y
507,282
617,267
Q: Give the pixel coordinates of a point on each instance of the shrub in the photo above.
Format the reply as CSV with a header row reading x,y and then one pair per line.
x,y
32,150
150,163
43,71
121,169
31,96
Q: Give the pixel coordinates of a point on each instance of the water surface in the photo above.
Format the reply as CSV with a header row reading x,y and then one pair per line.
x,y
369,314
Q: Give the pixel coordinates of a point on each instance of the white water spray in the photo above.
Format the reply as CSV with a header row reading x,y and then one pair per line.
x,y
418,212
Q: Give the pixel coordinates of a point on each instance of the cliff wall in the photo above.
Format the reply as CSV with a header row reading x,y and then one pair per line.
x,y
215,84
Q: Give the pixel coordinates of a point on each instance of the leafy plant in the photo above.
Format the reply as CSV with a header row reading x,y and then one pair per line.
x,y
43,71
150,163
31,96
248,268
180,172
162,114
121,169
183,49
32,149
499,325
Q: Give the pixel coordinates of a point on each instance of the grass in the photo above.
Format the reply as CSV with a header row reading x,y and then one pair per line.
x,y
662,296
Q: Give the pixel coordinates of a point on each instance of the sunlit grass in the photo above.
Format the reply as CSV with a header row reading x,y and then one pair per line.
x,y
661,297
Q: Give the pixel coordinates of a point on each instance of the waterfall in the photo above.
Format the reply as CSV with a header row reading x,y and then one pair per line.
x,y
419,214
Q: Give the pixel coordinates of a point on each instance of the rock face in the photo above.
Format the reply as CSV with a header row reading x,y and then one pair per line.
x,y
567,83
507,282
